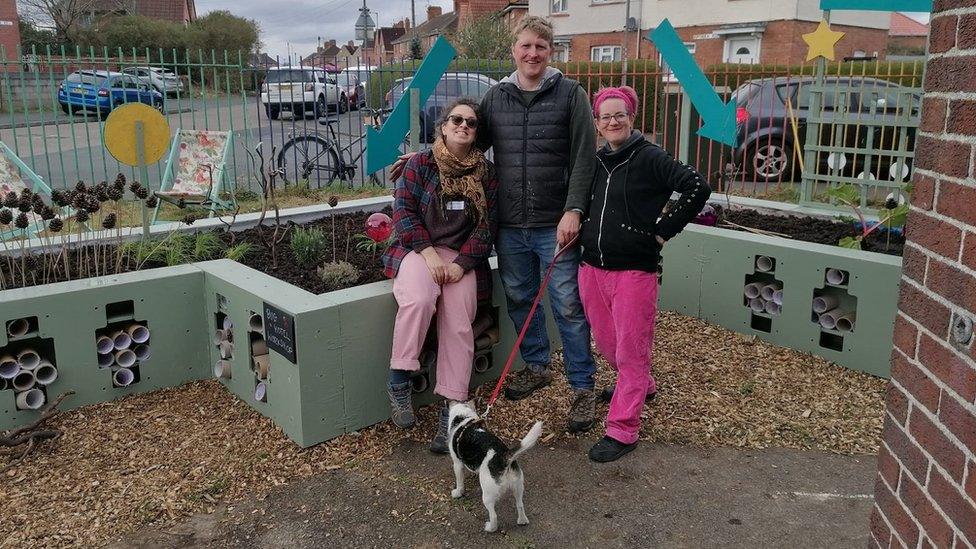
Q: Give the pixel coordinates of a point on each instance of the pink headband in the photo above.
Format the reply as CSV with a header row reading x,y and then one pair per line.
x,y
624,93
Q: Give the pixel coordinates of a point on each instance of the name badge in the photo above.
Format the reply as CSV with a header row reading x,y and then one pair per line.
x,y
455,205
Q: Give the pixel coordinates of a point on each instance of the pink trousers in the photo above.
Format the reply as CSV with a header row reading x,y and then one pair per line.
x,y
456,304
620,307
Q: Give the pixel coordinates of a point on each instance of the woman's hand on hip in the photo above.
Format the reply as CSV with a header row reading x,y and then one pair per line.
x,y
454,273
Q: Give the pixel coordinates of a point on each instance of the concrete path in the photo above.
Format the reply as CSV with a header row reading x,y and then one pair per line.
x,y
658,496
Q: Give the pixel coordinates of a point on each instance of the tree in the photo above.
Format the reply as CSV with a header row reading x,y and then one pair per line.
x,y
33,37
221,30
485,38
65,15
416,48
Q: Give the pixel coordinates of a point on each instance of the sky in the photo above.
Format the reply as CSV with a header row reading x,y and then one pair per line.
x,y
299,23
296,25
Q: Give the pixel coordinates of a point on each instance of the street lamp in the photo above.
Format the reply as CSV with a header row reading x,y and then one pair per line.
x,y
365,26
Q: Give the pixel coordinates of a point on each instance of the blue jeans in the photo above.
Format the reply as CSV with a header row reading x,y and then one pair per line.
x,y
523,257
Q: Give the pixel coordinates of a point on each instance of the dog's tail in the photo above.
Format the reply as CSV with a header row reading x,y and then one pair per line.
x,y
527,442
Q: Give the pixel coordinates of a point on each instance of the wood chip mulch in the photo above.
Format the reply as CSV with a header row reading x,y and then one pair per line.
x,y
159,457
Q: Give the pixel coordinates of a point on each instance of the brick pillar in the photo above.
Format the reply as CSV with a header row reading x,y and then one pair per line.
x,y
9,30
925,494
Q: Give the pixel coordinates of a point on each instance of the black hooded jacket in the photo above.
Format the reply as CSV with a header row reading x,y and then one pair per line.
x,y
631,187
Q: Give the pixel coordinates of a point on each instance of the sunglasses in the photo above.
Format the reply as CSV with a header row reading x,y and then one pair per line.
x,y
457,119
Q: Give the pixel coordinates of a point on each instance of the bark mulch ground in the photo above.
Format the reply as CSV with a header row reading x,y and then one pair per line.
x,y
159,457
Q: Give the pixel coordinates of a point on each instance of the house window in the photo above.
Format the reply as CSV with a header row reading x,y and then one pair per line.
x,y
668,73
605,53
559,6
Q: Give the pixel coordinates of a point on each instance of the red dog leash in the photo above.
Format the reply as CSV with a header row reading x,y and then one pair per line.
x,y
525,327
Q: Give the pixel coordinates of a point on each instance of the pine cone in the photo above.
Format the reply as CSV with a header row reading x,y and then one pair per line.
x,y
82,216
141,193
81,187
24,204
891,204
152,202
30,262
116,193
47,213
119,180
6,216
333,201
55,225
109,221
135,186
189,219
181,203
78,200
37,202
92,204
22,222
59,198
11,200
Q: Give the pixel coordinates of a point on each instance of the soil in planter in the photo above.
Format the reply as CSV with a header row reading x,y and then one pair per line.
x,y
817,230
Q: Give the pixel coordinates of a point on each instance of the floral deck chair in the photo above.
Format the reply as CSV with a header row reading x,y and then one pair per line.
x,y
196,171
14,177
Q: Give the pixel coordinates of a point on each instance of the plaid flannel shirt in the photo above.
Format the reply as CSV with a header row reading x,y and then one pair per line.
x,y
413,194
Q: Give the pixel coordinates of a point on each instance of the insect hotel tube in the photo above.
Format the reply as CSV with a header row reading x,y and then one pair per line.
x,y
481,364
4,384
772,308
123,377
125,358
846,322
419,382
8,367
769,290
752,290
829,319
836,277
138,333
31,399
120,340
824,303
104,344
220,334
18,327
261,366
46,373
764,264
482,342
142,351
23,381
28,359
258,345
778,297
261,392
226,349
222,369
227,324
106,359
757,305
255,323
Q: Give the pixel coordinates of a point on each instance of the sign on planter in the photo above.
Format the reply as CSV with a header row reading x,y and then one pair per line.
x,y
279,332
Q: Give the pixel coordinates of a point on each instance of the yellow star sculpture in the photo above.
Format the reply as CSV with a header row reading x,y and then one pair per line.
x,y
822,41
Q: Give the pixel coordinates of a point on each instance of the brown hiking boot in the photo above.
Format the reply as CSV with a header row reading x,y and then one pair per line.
x,y
582,413
526,382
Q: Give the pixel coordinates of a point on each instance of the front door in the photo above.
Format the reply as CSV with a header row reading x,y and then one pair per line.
x,y
743,49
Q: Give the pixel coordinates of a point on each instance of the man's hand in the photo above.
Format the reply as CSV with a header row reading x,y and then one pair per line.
x,y
436,265
568,228
396,170
454,273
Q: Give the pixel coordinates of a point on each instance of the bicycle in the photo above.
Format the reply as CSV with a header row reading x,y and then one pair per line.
x,y
319,152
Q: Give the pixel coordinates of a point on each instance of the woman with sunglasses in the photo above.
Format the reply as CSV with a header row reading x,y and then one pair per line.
x,y
444,218
621,242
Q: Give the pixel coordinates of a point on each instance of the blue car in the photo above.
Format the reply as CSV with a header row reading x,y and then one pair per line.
x,y
102,91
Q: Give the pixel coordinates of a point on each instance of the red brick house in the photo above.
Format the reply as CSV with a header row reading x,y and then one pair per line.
x,y
437,24
176,11
906,36
382,50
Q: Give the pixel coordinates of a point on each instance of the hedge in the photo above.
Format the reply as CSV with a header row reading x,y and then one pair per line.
x,y
904,73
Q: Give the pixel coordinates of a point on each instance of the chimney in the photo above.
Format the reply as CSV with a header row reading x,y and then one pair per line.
x,y
406,23
332,43
351,44
433,11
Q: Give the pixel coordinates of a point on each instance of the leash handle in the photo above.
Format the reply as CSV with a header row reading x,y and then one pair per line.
x,y
525,325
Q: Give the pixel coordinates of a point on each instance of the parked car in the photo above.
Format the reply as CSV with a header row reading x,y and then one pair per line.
x,y
301,90
162,80
102,91
766,146
354,87
452,86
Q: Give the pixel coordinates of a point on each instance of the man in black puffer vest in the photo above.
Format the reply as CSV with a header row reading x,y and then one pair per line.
x,y
540,127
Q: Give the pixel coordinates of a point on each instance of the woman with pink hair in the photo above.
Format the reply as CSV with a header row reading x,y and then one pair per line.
x,y
621,239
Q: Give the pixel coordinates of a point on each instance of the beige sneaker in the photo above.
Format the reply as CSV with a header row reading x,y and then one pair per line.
x,y
582,412
526,382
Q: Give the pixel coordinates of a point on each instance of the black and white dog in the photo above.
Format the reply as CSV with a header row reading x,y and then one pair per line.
x,y
473,448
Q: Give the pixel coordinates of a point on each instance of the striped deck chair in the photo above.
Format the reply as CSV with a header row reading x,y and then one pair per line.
x,y
194,156
14,177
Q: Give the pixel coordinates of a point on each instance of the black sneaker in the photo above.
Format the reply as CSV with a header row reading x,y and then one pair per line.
x,y
606,395
526,382
582,411
608,449
439,444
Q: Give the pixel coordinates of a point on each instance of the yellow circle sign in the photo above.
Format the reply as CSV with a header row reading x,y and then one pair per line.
x,y
120,133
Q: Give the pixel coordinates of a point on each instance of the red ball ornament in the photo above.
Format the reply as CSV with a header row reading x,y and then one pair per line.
x,y
379,227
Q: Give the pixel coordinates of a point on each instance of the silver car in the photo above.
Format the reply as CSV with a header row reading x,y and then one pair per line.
x,y
162,80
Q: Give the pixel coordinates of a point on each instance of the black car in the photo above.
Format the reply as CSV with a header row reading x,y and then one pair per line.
x,y
766,149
